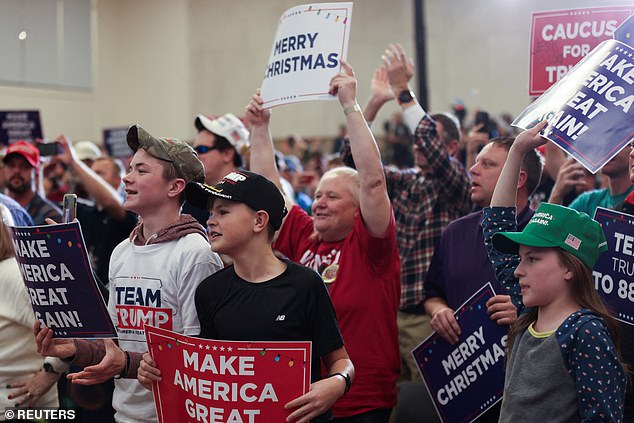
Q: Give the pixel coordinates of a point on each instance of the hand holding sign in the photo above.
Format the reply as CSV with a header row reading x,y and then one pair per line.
x,y
148,373
318,400
446,325
49,346
502,310
257,115
530,139
344,85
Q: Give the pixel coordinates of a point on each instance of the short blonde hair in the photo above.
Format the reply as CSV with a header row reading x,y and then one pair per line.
x,y
348,173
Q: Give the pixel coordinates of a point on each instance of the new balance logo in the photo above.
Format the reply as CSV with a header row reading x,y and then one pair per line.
x,y
280,317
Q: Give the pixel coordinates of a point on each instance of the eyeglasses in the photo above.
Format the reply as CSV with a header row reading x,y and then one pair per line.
x,y
202,149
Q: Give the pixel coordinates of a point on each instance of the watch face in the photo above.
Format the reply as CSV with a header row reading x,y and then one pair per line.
x,y
405,96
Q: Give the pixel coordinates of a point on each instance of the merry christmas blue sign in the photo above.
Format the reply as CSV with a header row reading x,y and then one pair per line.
x,y
466,379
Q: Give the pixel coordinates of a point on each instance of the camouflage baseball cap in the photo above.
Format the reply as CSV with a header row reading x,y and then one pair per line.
x,y
180,154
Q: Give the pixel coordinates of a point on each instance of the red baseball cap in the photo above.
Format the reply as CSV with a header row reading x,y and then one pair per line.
x,y
26,150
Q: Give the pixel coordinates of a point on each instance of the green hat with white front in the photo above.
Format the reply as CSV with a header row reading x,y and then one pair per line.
x,y
557,226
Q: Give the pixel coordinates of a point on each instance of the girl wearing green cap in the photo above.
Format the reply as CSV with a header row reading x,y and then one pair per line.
x,y
562,363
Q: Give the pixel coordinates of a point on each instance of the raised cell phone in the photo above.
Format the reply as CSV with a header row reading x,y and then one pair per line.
x,y
69,207
48,149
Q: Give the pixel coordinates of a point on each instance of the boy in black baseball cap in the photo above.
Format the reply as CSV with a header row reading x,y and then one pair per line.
x,y
260,297
242,186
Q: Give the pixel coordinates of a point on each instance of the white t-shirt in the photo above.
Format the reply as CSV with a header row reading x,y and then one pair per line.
x,y
19,358
154,284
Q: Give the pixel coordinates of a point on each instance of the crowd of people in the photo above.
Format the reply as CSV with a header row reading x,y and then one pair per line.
x,y
369,251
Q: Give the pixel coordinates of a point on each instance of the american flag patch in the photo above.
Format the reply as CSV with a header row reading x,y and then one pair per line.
x,y
573,241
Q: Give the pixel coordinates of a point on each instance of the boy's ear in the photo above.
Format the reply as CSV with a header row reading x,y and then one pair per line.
x,y
261,221
176,187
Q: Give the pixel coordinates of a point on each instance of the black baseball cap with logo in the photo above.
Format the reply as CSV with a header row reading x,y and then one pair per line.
x,y
241,186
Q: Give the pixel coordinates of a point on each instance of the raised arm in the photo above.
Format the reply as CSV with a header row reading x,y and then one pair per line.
x,y
505,193
105,195
399,71
262,153
374,202
500,216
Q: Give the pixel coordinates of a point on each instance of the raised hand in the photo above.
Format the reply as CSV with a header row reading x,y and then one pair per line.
x,y
49,346
256,115
400,68
344,85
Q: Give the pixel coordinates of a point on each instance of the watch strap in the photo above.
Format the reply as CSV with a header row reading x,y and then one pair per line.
x,y
350,109
345,377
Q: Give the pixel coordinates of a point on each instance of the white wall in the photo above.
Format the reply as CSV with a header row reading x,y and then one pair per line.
x,y
479,50
231,42
159,62
143,64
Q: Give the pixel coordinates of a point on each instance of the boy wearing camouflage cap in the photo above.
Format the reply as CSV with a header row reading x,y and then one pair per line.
x,y
152,275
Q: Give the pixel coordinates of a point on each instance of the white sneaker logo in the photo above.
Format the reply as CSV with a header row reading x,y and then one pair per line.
x,y
280,317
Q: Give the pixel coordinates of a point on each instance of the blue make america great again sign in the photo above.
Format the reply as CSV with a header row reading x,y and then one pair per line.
x,y
589,111
58,278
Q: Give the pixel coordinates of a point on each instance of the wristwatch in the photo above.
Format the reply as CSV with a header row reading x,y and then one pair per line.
x,y
345,377
405,96
48,368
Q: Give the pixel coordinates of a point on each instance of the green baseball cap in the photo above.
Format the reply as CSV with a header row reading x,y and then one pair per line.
x,y
557,226
180,154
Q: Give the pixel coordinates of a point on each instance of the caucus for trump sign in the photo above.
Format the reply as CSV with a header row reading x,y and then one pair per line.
x,y
309,43
466,379
560,38
226,381
58,278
